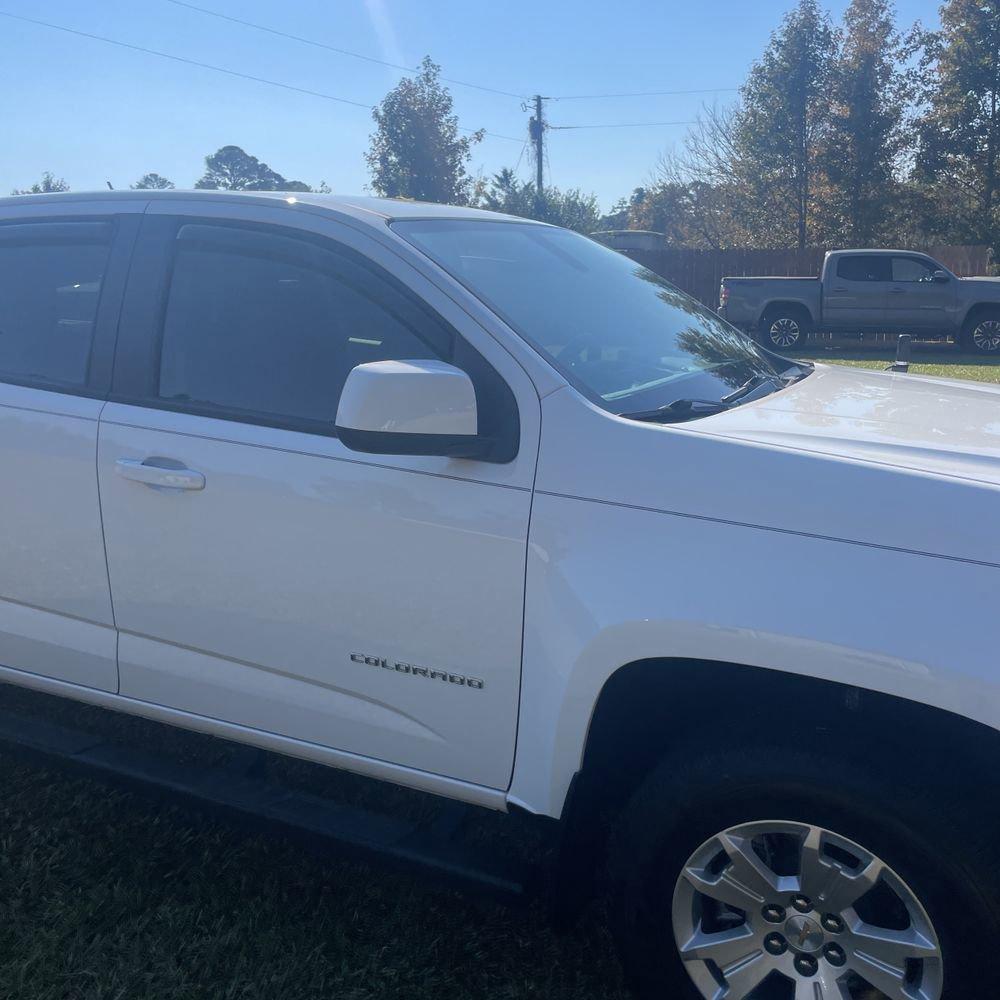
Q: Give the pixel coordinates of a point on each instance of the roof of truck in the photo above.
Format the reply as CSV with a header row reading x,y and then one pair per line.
x,y
880,252
357,206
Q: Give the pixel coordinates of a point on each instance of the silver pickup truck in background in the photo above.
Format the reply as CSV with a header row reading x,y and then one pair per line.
x,y
867,291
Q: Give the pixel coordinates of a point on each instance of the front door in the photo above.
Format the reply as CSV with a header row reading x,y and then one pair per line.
x,y
854,296
263,574
916,302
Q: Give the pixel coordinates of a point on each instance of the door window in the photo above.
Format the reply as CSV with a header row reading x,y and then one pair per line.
x,y
863,267
51,274
912,269
266,327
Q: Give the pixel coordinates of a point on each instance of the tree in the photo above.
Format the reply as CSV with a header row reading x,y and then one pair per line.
x,y
959,130
709,194
416,150
49,184
233,169
153,182
867,128
571,209
783,121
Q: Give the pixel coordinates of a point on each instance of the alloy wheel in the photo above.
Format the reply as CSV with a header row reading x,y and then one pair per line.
x,y
986,336
779,909
784,332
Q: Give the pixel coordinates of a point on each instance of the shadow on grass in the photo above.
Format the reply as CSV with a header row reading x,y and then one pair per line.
x,y
104,896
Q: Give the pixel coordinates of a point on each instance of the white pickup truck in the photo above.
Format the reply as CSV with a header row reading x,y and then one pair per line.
x,y
477,506
867,291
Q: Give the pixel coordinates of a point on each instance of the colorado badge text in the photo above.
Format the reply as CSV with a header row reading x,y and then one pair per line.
x,y
417,671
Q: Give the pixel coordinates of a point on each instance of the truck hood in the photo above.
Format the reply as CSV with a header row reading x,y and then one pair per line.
x,y
987,284
942,426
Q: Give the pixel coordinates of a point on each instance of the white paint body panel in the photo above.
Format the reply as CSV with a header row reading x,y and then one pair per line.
x,y
409,397
245,601
55,606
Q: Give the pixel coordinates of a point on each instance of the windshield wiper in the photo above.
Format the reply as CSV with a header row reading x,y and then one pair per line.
x,y
751,383
679,409
689,409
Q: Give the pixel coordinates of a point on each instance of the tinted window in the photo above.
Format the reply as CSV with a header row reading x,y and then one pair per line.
x,y
50,285
911,269
863,268
259,323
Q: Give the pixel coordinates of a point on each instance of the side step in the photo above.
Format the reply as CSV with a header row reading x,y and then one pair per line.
x,y
239,791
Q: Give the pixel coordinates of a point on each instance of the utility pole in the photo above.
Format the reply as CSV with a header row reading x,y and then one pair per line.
x,y
536,132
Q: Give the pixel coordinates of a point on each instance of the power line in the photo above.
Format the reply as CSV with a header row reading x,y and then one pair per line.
x,y
215,69
623,125
333,48
641,93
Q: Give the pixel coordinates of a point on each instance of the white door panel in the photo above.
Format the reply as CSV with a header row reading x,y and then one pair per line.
x,y
245,600
55,608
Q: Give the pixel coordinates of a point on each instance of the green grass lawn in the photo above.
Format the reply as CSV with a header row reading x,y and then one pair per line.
x,y
927,359
106,897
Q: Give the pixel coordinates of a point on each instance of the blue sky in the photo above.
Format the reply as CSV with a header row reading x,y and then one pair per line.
x,y
91,112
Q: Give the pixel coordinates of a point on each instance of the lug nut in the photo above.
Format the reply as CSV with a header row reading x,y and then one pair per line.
x,y
773,913
834,954
802,903
775,944
832,923
806,965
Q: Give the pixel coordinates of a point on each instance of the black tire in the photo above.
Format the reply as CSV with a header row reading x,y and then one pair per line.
x,y
784,329
981,333
940,849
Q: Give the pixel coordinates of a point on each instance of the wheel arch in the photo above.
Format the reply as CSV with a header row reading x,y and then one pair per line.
x,y
976,311
793,305
649,708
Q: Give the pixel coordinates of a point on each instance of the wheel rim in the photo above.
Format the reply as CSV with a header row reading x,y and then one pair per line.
x,y
986,336
775,900
784,332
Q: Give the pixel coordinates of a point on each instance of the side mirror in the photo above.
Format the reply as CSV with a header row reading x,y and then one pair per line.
x,y
941,277
410,408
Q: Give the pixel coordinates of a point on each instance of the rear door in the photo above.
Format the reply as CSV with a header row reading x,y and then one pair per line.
x,y
916,302
854,296
62,271
270,577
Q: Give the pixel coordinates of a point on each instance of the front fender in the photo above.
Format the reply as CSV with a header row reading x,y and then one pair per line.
x,y
608,585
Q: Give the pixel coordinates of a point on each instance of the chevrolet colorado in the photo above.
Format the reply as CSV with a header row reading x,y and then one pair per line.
x,y
867,291
477,506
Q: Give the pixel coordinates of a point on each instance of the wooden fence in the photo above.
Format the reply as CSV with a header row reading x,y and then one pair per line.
x,y
699,272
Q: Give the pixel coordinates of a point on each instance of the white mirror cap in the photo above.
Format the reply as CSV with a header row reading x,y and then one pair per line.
x,y
409,397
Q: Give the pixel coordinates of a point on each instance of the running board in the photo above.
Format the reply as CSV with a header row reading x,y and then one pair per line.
x,y
239,791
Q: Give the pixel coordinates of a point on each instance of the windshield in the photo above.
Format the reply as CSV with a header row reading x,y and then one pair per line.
x,y
621,334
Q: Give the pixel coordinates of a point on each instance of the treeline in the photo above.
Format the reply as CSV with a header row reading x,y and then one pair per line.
x,y
857,133
229,168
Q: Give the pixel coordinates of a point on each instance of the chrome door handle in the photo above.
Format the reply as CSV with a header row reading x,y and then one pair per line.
x,y
160,473
838,289
898,291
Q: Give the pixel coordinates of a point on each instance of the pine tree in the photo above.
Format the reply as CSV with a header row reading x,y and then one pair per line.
x,y
867,129
959,132
783,123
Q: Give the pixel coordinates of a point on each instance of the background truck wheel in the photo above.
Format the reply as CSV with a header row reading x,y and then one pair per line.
x,y
982,333
752,874
782,329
